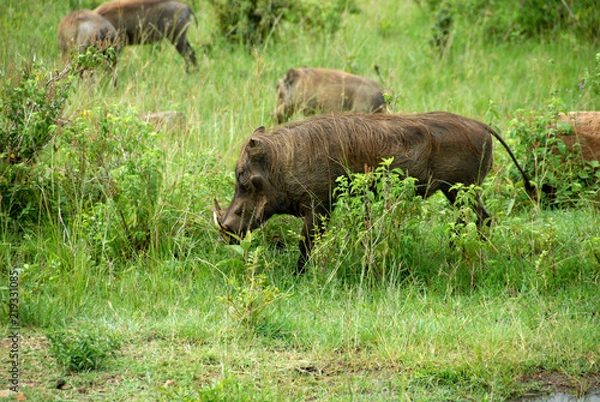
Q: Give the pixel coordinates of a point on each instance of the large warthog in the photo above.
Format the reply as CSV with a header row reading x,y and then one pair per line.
x,y
148,21
82,29
313,90
293,170
586,132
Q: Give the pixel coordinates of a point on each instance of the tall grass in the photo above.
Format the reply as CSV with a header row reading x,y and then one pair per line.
x,y
437,322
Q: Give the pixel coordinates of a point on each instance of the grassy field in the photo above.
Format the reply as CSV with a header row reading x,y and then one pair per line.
x,y
174,314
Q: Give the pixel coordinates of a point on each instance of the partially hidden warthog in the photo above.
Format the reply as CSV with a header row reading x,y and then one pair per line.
x,y
148,21
313,90
586,132
82,29
165,121
293,169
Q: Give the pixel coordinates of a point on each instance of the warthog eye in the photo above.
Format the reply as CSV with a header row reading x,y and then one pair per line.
x,y
257,182
241,173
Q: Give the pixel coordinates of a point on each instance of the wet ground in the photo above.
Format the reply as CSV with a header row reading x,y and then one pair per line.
x,y
562,397
559,387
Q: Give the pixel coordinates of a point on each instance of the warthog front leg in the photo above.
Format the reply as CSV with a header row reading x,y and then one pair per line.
x,y
314,226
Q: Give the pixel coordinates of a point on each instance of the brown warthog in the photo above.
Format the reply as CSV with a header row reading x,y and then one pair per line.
x,y
165,121
313,90
82,29
586,132
148,21
293,169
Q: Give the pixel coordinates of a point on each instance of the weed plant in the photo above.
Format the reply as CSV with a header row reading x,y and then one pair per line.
x,y
249,296
83,350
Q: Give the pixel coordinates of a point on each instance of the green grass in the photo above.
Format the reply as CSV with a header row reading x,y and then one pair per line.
x,y
490,321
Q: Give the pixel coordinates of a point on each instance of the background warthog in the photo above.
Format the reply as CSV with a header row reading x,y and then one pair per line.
x,y
586,132
82,29
165,121
148,21
293,169
312,90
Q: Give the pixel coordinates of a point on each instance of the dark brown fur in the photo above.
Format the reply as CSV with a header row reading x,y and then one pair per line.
x,y
293,170
148,21
313,90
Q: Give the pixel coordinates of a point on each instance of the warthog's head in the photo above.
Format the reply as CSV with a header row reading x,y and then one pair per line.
x,y
255,200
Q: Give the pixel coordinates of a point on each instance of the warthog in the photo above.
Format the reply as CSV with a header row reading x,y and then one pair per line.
x,y
165,121
82,29
293,169
148,21
312,90
586,130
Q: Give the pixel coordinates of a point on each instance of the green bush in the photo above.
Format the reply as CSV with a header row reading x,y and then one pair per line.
x,y
252,22
374,230
82,350
99,174
561,175
31,105
510,19
109,180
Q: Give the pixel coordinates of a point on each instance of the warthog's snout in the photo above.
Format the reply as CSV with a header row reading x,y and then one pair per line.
x,y
225,232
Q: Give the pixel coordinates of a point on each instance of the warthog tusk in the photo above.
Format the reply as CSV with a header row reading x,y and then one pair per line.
x,y
217,215
218,207
216,219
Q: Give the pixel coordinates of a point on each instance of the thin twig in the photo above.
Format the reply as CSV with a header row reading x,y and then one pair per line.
x,y
60,75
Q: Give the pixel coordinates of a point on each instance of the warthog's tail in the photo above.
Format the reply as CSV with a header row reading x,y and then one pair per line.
x,y
384,107
528,187
195,18
376,67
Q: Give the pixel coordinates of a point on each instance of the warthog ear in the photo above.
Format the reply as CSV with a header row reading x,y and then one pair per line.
x,y
253,144
255,150
290,76
260,130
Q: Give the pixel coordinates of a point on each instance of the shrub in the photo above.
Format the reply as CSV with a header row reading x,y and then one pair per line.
x,y
561,175
252,22
510,19
101,172
109,180
81,350
31,105
375,228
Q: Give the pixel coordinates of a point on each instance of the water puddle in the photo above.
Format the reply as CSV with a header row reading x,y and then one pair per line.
x,y
560,397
